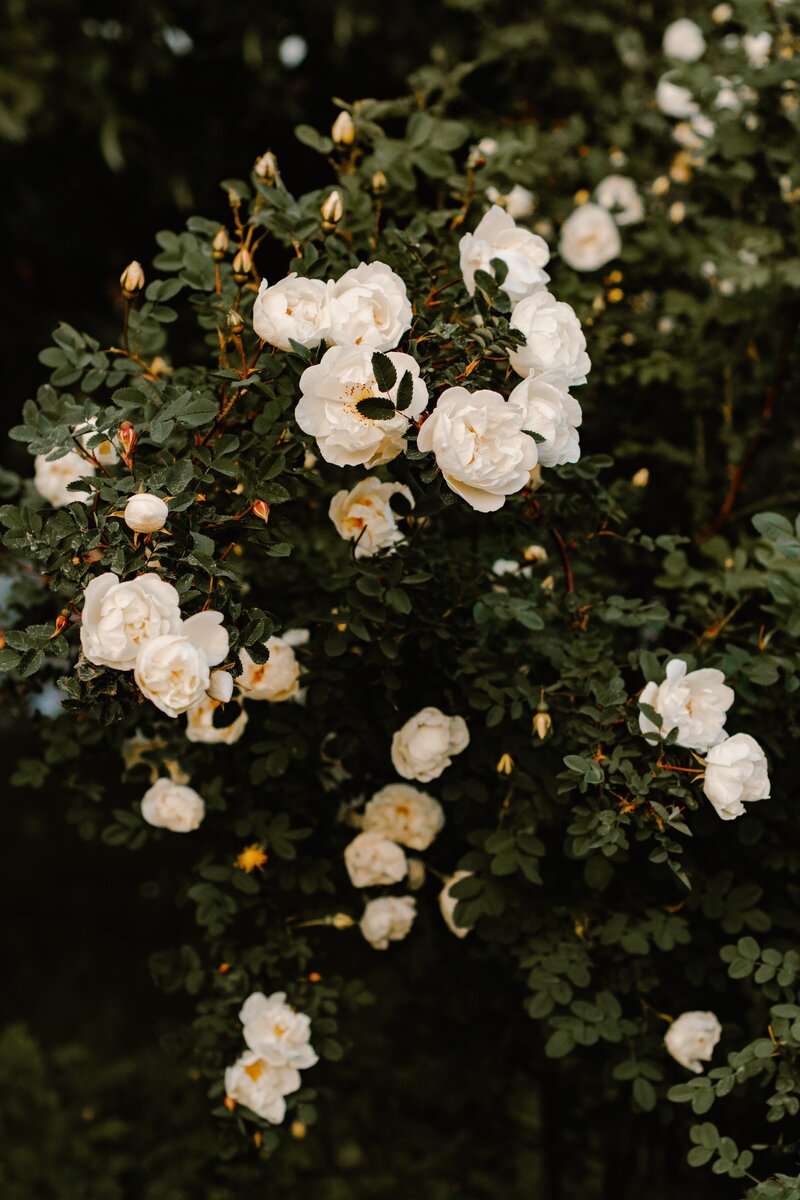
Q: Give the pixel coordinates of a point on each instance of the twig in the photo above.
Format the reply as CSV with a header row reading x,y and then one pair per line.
x,y
562,549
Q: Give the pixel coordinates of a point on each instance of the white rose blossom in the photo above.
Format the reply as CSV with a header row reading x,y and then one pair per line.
x,y
683,40
369,307
53,476
736,773
173,806
589,238
525,254
104,451
404,814
620,196
277,679
553,413
554,340
674,100
519,203
145,513
757,47
294,309
374,861
327,408
173,671
276,1032
691,1039
118,618
388,919
424,747
200,725
365,515
261,1086
448,902
694,702
480,446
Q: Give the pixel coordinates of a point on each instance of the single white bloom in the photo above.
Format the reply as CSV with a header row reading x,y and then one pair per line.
x,y
691,1039
200,725
365,515
425,745
105,452
388,919
118,618
277,679
736,772
509,566
589,238
173,806
683,39
173,671
404,814
727,98
620,196
554,339
757,47
145,513
276,1032
261,1086
553,413
519,203
525,254
294,308
369,307
448,902
721,13
51,478
373,861
488,146
674,100
480,446
695,703
327,408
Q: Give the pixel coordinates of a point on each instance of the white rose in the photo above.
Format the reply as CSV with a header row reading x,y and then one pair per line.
x,y
118,618
695,703
105,452
388,919
365,515
620,196
683,39
424,746
145,513
736,772
757,47
727,98
330,391
404,814
200,726
276,1032
480,446
277,679
448,902
369,307
173,806
691,1039
674,100
173,671
553,413
554,340
373,860
294,308
497,236
589,238
261,1086
518,203
509,566
52,477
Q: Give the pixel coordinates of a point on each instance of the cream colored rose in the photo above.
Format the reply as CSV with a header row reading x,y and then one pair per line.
x,y
293,310
691,1039
261,1086
201,727
374,861
519,203
684,41
173,671
589,238
404,814
695,703
675,100
448,902
369,307
553,413
276,1032
621,197
364,515
53,476
118,618
554,340
497,236
277,679
327,408
423,748
736,773
173,806
388,919
480,446
145,513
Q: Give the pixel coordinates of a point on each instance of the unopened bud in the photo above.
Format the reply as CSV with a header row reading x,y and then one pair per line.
x,y
341,921
132,280
261,510
219,245
127,440
343,131
416,874
230,1103
379,183
61,623
266,168
234,321
534,554
641,478
331,210
506,765
542,724
242,265
298,1129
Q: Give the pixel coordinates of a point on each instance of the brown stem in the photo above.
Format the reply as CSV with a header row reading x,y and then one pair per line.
x,y
562,549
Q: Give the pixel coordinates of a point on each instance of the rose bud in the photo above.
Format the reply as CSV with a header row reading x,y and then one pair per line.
x,y
235,322
127,439
219,244
261,509
379,183
331,210
145,513
343,131
266,168
242,265
132,280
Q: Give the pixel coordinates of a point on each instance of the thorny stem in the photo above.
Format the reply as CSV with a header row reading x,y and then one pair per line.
x,y
562,549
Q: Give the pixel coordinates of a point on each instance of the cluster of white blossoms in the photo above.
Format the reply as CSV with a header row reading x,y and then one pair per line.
x,y
696,703
278,1040
399,817
691,1039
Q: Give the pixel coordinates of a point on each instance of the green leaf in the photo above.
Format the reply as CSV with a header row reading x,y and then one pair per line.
x,y
384,371
375,408
405,392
